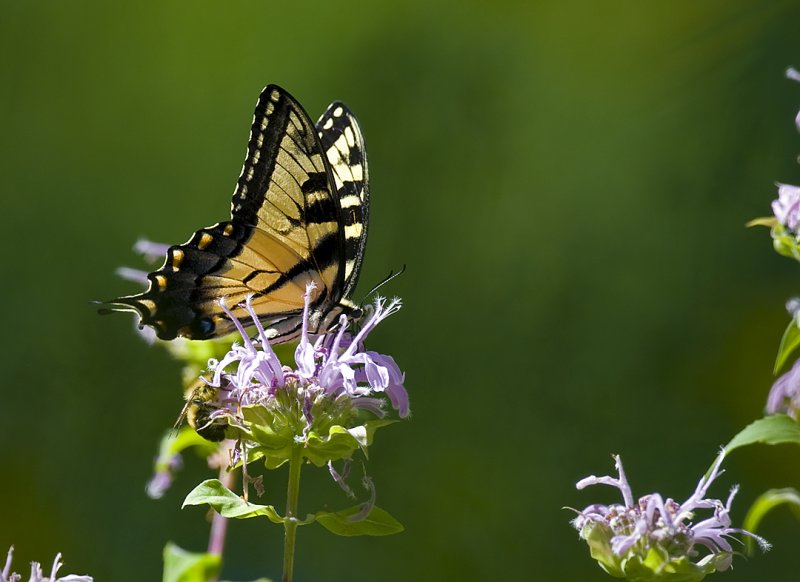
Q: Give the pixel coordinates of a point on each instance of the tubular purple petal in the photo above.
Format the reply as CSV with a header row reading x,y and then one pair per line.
x,y
373,405
150,250
340,479
245,337
7,568
367,506
134,275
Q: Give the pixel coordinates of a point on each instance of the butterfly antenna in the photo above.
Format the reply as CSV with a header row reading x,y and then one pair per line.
x,y
389,277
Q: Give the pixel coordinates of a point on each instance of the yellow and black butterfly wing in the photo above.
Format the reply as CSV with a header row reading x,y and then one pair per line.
x,y
286,230
343,144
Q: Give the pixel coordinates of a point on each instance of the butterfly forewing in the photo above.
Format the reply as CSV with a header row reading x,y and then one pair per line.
x,y
343,145
287,229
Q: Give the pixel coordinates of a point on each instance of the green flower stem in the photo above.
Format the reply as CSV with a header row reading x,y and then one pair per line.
x,y
290,525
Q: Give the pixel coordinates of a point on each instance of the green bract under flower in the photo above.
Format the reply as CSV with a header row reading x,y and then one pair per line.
x,y
330,405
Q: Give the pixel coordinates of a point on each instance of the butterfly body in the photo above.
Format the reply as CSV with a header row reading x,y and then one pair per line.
x,y
299,215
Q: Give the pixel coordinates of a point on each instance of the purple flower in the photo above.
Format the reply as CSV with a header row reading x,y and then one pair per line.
x,y
162,479
36,572
787,207
333,381
784,396
653,538
794,75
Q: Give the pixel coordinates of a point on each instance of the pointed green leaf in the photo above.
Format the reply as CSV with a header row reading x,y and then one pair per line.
x,y
374,425
377,523
765,503
183,566
789,344
769,221
227,503
770,430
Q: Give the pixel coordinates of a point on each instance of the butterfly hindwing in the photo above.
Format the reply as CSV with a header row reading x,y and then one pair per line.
x,y
287,229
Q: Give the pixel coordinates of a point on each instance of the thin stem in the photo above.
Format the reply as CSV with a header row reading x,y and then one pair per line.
x,y
290,525
219,524
216,541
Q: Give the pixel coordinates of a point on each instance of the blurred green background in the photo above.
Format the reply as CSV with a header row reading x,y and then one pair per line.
x,y
567,183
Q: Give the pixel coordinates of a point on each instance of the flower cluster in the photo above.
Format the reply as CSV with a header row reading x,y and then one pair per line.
x,y
321,404
36,572
785,222
657,539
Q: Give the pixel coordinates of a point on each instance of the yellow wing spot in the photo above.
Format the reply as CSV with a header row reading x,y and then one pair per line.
x,y
353,230
177,259
161,281
260,140
341,144
228,230
269,109
205,240
263,124
338,112
328,124
256,156
243,192
249,174
274,95
351,138
350,201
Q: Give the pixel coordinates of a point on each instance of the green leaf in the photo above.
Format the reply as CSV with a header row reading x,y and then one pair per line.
x,y
377,523
227,503
789,344
183,566
765,503
372,426
784,242
340,443
173,443
770,430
